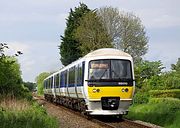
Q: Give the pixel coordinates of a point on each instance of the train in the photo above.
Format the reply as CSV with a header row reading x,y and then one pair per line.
x,y
100,83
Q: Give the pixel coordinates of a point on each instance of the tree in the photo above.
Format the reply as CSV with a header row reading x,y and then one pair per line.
x,y
91,34
10,76
110,19
10,73
69,48
31,86
176,67
145,70
39,81
126,31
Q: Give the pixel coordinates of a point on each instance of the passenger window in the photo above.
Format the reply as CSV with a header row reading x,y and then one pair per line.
x,y
63,80
71,77
57,81
51,82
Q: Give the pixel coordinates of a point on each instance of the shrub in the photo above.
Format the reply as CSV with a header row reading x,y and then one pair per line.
x,y
171,80
161,111
141,98
21,113
175,93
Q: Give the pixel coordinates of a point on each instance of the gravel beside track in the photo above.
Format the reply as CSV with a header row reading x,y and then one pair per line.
x,y
66,118
71,119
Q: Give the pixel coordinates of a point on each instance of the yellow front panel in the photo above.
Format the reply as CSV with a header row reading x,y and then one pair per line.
x,y
110,92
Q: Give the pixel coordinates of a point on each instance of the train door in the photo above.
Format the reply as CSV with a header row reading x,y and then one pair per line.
x,y
80,80
56,84
63,83
53,86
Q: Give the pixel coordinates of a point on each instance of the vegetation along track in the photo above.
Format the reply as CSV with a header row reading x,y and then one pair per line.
x,y
107,122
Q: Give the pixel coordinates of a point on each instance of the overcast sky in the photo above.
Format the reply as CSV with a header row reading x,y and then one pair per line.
x,y
35,26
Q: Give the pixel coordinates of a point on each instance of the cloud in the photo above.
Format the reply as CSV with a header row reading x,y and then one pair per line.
x,y
158,18
41,57
167,52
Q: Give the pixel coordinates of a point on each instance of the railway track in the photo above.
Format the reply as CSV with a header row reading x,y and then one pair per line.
x,y
106,122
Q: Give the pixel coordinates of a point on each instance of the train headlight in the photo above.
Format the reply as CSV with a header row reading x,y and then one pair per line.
x,y
123,90
126,90
94,90
98,90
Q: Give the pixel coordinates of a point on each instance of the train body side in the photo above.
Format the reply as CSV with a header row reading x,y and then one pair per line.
x,y
73,87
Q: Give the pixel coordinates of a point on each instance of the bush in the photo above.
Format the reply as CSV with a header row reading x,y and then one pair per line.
x,y
171,80
175,93
160,111
21,113
141,98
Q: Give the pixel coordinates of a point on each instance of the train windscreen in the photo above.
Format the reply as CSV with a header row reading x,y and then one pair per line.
x,y
110,69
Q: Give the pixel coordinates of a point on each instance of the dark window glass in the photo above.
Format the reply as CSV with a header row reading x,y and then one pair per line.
x,y
65,78
57,80
71,76
46,84
110,69
51,82
99,69
80,74
62,82
120,69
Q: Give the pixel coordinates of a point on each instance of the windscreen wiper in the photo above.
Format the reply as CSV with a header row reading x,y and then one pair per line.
x,y
102,74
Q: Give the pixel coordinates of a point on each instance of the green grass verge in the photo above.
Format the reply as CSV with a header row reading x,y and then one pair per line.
x,y
23,114
162,111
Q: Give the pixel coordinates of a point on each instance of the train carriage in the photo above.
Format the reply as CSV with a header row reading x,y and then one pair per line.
x,y
100,83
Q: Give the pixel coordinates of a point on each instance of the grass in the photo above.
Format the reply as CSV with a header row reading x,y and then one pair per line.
x,y
161,111
24,114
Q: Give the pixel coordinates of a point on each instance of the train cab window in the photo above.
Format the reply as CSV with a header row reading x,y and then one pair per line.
x,y
121,69
99,69
109,69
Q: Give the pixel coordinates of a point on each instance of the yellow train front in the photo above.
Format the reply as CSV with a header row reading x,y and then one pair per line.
x,y
109,82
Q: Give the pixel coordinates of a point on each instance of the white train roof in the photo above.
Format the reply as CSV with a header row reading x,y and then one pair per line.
x,y
107,52
99,52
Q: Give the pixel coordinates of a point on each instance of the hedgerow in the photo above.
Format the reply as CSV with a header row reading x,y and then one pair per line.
x,y
175,93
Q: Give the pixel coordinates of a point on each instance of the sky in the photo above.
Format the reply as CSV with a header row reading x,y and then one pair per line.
x,y
35,26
